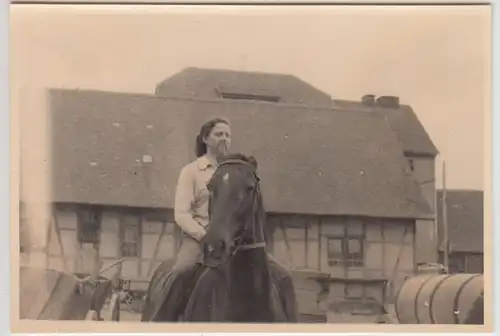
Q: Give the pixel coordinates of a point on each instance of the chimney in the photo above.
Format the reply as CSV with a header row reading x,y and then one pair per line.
x,y
388,101
368,100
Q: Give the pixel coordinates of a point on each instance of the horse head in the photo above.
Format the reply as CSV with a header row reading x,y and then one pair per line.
x,y
234,210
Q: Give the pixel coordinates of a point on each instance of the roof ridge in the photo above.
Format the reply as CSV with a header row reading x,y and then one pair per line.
x,y
206,100
237,71
360,103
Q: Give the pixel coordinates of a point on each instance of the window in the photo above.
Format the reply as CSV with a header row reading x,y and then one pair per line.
x,y
243,96
335,251
348,251
130,225
88,226
347,248
354,252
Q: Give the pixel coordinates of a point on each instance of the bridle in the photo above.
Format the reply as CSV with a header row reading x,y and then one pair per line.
x,y
236,243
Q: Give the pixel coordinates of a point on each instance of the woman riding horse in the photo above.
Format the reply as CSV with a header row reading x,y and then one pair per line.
x,y
192,215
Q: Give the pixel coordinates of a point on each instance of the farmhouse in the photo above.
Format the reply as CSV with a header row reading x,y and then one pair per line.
x,y
344,206
420,152
465,230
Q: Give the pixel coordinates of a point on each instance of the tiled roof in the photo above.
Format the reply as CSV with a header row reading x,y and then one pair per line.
x,y
202,83
403,121
311,161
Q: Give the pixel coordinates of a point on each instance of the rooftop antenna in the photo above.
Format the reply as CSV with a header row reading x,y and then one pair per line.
x,y
446,243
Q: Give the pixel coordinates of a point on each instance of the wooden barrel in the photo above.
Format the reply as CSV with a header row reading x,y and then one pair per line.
x,y
438,299
47,294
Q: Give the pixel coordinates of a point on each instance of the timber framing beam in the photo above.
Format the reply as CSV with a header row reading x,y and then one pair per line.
x,y
59,240
157,247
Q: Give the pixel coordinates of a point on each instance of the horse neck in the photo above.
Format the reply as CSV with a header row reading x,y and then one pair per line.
x,y
249,275
249,283
254,234
256,222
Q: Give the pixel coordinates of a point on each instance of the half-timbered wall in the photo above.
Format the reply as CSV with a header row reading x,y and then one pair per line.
x,y
82,239
424,171
348,248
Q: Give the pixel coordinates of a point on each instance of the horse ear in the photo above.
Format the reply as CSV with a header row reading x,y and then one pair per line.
x,y
253,161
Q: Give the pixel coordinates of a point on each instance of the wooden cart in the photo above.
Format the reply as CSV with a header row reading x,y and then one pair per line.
x,y
48,294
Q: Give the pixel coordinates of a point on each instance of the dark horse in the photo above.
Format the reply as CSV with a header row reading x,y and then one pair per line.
x,y
235,281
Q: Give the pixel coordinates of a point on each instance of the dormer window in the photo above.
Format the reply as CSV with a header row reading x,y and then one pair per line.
x,y
242,93
246,96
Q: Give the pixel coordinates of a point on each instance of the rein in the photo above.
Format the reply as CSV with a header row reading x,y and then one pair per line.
x,y
250,246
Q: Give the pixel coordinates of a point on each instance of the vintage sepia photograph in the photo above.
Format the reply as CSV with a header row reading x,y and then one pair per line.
x,y
294,166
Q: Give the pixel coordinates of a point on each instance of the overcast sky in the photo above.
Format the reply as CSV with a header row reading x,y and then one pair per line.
x,y
434,59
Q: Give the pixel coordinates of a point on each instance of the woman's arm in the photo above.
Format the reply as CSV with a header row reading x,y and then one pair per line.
x,y
184,199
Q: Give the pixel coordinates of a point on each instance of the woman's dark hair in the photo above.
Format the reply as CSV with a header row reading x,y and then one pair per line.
x,y
206,128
